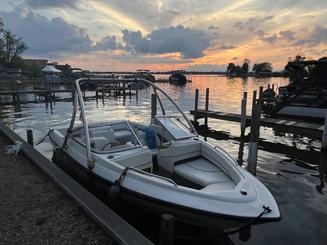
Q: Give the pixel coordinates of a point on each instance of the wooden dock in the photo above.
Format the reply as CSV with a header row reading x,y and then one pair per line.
x,y
265,121
311,129
48,95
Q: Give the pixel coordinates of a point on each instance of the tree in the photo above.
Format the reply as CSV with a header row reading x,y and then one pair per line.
x,y
245,66
11,47
262,67
231,68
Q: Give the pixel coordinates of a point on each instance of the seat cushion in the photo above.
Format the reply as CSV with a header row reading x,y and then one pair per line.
x,y
212,188
98,143
201,171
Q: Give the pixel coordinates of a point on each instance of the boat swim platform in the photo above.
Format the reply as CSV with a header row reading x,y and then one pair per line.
x,y
283,123
113,225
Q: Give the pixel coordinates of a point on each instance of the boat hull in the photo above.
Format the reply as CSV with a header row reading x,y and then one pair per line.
x,y
102,188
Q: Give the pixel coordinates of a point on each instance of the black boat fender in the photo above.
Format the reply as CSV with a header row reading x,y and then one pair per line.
x,y
115,190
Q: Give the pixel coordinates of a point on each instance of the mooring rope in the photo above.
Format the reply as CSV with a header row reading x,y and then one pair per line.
x,y
39,141
266,209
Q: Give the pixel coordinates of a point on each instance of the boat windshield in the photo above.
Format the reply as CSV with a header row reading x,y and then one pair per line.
x,y
121,135
109,137
174,126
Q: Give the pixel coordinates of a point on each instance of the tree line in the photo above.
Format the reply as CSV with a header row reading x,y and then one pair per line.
x,y
11,47
237,70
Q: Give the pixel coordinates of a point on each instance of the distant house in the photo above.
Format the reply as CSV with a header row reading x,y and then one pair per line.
x,y
66,69
35,62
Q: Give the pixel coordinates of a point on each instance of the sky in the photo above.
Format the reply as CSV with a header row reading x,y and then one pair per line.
x,y
160,35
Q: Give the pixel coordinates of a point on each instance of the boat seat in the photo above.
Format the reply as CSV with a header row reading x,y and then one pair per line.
x,y
212,188
202,172
123,135
98,143
138,158
177,151
104,132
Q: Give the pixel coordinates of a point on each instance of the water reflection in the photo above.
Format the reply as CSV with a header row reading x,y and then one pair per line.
x,y
322,168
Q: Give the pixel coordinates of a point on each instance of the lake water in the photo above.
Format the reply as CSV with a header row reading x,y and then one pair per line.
x,y
287,162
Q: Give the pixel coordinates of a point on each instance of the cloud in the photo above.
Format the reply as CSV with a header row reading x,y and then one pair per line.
x,y
107,43
42,4
252,23
260,33
44,36
317,36
287,34
269,38
213,27
235,58
239,25
226,47
191,43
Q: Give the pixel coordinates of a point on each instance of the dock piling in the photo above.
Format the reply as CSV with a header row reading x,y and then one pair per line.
x,y
153,105
324,136
206,107
103,92
29,134
243,112
196,105
167,230
254,136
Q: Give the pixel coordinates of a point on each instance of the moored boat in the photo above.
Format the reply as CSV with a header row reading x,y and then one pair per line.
x,y
177,79
162,165
306,95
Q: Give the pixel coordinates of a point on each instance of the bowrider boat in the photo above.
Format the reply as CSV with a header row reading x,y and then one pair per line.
x,y
164,166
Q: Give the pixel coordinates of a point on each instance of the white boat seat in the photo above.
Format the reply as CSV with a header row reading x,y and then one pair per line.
x,y
212,188
178,150
123,135
201,171
106,132
98,143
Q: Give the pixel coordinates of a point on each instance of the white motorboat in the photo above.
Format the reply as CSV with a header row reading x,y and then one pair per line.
x,y
163,166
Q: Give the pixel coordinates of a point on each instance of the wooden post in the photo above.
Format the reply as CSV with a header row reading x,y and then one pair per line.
x,y
96,95
196,105
243,111
137,93
254,99
13,98
167,230
29,133
153,105
206,107
124,89
54,98
73,97
103,93
324,136
254,136
50,100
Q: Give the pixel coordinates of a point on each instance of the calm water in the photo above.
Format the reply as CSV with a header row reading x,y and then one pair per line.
x,y
287,163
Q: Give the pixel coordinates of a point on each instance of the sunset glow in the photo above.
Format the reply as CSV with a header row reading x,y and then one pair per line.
x,y
163,35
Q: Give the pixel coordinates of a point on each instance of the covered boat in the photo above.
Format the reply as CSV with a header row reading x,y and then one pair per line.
x,y
306,95
177,79
162,165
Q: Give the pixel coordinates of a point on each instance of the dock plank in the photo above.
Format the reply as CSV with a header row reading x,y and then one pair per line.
x,y
265,121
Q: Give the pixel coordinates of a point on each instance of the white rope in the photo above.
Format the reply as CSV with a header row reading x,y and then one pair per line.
x,y
14,149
